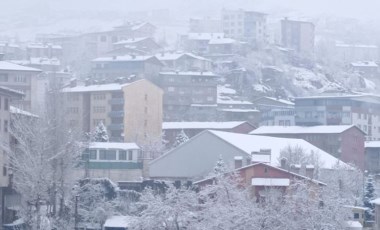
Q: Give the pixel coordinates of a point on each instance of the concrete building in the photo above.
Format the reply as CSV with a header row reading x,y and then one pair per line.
x,y
345,142
298,35
348,53
178,61
355,109
245,25
123,66
196,158
26,80
11,51
132,112
184,90
205,25
365,68
146,44
48,50
372,156
275,111
7,96
116,161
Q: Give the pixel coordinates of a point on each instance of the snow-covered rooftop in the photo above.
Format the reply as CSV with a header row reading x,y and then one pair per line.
x,y
372,144
4,65
43,46
94,88
118,222
189,73
240,110
255,143
223,89
201,125
221,41
356,45
364,64
122,58
321,129
277,182
283,101
38,61
205,36
171,56
113,145
130,41
230,101
16,110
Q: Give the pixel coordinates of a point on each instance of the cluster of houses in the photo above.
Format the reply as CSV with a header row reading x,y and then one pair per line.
x,y
145,94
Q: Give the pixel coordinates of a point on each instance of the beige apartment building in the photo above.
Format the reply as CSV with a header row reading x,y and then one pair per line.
x,y
132,112
23,79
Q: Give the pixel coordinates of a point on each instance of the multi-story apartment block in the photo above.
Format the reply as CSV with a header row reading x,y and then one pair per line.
x,y
23,79
244,25
122,66
10,51
298,35
7,96
184,62
275,111
356,52
184,90
44,50
116,161
360,110
132,112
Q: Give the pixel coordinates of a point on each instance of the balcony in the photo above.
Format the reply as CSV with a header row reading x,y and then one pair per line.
x,y
116,101
116,114
116,127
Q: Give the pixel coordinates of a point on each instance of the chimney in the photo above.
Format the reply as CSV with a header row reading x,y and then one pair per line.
x,y
284,163
73,82
238,162
295,168
310,171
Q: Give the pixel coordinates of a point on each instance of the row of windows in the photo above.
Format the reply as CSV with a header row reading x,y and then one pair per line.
x,y
111,155
18,78
73,110
99,96
99,109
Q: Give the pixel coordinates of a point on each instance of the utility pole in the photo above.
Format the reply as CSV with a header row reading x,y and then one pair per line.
x,y
76,213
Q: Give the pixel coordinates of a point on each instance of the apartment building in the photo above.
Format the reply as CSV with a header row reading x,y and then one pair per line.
x,y
360,110
275,111
7,96
245,25
184,90
23,79
356,52
298,35
122,66
46,50
132,112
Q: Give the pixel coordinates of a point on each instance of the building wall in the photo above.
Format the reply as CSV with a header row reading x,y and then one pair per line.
x,y
352,147
142,112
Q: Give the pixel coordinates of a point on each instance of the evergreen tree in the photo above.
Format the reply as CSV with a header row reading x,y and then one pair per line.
x,y
100,133
368,196
181,138
220,167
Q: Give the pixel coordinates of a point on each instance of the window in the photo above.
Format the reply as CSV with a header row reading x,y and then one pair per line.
x,y
145,123
356,215
122,155
99,109
107,155
93,154
130,155
146,110
73,110
4,170
146,97
99,96
6,104
103,38
20,78
3,77
6,126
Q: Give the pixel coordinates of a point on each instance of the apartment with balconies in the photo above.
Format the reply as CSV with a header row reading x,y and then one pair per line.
x,y
132,112
188,95
356,109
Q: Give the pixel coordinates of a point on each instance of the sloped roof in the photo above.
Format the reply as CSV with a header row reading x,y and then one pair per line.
x,y
123,58
320,129
131,41
93,88
254,143
279,100
4,65
201,125
190,73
